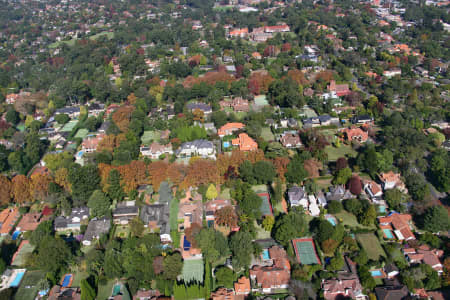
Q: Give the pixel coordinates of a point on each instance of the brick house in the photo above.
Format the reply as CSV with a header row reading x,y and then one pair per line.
x,y
245,143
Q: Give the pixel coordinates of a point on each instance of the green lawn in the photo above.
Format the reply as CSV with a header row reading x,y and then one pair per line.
x,y
343,151
261,233
69,126
267,134
193,270
350,220
105,291
371,245
150,136
78,276
71,42
30,280
122,231
173,218
262,188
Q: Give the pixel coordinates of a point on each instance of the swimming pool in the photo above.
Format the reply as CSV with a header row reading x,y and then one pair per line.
x,y
79,154
376,273
332,221
16,235
388,233
226,144
382,209
116,290
66,280
17,280
265,254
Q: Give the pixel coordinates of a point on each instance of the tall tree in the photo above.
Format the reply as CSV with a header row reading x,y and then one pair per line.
x,y
99,204
21,189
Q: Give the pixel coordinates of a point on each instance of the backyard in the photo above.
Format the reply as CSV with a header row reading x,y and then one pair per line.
x,y
371,245
150,136
122,231
28,287
267,134
343,151
193,270
348,219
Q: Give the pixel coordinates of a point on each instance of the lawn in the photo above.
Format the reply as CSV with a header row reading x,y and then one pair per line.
x,y
371,245
150,136
262,188
173,218
261,100
308,112
78,276
71,42
348,219
122,231
105,291
343,151
28,287
193,270
261,234
267,134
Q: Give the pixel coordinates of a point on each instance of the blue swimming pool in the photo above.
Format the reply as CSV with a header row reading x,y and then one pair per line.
x,y
388,233
332,221
376,273
79,154
66,280
265,254
226,144
16,235
17,280
382,209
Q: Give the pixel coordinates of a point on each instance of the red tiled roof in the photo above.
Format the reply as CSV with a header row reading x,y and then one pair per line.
x,y
245,142
229,128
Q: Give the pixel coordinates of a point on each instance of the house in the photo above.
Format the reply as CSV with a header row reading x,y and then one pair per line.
x,y
223,293
290,140
355,134
214,205
146,295
240,105
338,193
156,217
201,148
104,127
123,214
229,129
205,108
242,286
400,224
190,212
72,222
58,293
392,180
323,120
425,255
391,270
95,109
11,98
342,288
29,222
391,292
297,196
341,90
363,119
372,188
96,228
245,143
239,32
91,143
277,28
269,278
155,150
392,73
256,55
8,218
71,111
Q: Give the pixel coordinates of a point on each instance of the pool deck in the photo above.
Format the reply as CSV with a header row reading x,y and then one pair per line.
x,y
383,275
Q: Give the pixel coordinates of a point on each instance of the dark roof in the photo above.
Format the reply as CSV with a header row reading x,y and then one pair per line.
x,y
96,228
61,222
67,110
200,106
125,210
390,268
391,292
158,213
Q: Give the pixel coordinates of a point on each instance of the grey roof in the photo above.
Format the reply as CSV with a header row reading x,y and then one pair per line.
x,y
201,106
391,292
158,213
104,127
61,222
96,228
126,210
324,118
295,194
80,212
390,268
197,144
67,110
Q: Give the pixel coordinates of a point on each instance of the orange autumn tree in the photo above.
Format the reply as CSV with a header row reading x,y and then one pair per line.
x,y
122,117
5,190
158,173
104,170
280,164
133,175
312,166
21,189
237,157
176,173
61,179
201,171
259,82
39,186
298,76
110,142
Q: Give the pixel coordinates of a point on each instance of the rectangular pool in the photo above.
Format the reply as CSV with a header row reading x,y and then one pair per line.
x,y
67,280
17,280
388,233
265,254
376,273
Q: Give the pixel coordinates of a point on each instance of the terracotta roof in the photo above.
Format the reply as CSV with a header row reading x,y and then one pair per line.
x,y
245,142
8,217
229,128
29,222
356,134
400,222
242,286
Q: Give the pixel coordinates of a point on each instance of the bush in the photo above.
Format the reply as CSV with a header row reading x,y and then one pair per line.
x,y
334,207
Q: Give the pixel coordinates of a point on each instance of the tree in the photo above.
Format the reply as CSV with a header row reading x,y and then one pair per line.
x,y
440,169
226,216
55,161
53,254
173,265
99,204
211,193
84,181
62,118
394,199
115,190
12,116
341,163
264,171
87,291
43,230
5,190
268,223
289,226
242,247
342,176
296,173
39,186
355,185
368,217
137,227
21,189
334,207
212,243
436,219
336,263
224,277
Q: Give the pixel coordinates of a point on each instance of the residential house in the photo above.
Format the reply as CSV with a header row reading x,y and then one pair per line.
x,y
256,55
205,108
11,98
391,270
355,134
363,119
341,90
245,143
323,120
392,180
214,205
95,229
190,212
392,73
391,292
71,111
155,150
277,28
240,105
425,255
104,127
8,218
95,109
372,188
124,213
399,224
201,148
238,32
338,193
297,197
223,293
72,222
91,143
29,221
242,286
156,217
146,295
229,129
62,293
290,140
270,278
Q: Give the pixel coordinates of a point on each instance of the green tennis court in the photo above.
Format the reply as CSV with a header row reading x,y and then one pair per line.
x,y
69,126
192,270
261,100
306,251
266,207
82,133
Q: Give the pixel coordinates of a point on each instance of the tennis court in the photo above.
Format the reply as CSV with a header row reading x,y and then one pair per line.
x,y
305,250
25,248
266,207
69,126
192,270
82,133
261,100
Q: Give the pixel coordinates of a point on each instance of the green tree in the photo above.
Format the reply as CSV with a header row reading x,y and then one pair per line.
x,y
368,216
172,266
342,176
43,230
115,190
87,291
12,116
85,180
264,171
436,219
334,207
296,173
289,226
137,227
242,247
62,118
394,199
224,277
99,204
268,223
440,169
212,243
53,254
